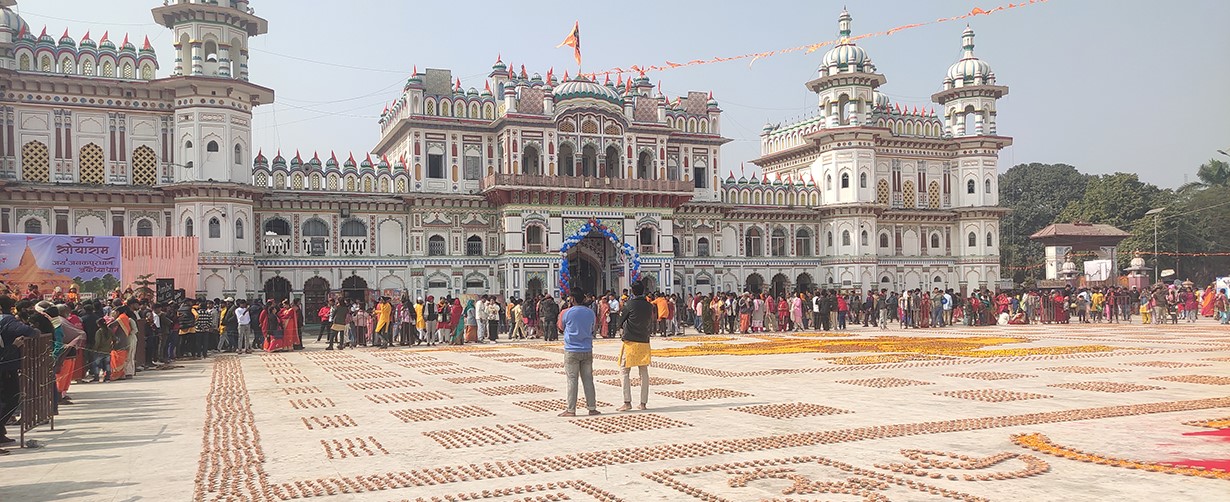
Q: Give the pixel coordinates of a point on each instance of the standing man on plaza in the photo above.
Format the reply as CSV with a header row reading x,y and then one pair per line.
x,y
637,316
244,321
548,309
577,322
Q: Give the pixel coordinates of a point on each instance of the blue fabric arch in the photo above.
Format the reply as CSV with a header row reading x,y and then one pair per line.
x,y
596,225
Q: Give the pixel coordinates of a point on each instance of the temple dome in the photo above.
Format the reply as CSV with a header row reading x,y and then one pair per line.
x,y
580,88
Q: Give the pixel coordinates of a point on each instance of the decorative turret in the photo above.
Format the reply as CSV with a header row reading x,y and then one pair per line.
x,y
349,165
846,82
331,164
67,42
970,94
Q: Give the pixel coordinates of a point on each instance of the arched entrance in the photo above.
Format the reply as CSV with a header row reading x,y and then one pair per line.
x,y
533,287
781,285
355,288
754,283
315,295
277,289
586,273
602,247
651,283
802,283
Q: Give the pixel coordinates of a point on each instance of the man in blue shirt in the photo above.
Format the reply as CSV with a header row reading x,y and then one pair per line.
x,y
577,323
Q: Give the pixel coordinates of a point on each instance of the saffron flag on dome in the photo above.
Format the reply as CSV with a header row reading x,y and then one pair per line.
x,y
574,40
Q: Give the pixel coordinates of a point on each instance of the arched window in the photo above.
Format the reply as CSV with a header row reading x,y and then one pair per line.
x,y
238,154
845,180
935,241
829,240
435,246
884,241
354,228
145,228
676,248
648,240
33,226
212,146
567,165
644,166
973,239
882,192
828,182
589,161
188,145
802,242
315,228
239,229
531,161
777,242
990,242
862,238
533,239
987,186
845,237
753,243
702,247
474,246
215,228
862,180
612,162
35,164
188,230
969,187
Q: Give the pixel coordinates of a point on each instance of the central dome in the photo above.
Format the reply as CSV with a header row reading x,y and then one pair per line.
x,y
580,88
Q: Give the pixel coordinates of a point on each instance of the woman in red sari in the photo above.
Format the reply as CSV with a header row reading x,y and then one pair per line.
x,y
924,311
275,327
1060,305
1206,301
604,313
290,325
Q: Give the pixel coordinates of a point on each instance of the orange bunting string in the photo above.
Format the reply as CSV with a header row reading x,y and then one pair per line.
x,y
810,48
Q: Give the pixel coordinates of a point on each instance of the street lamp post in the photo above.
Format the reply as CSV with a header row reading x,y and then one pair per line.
x,y
1156,262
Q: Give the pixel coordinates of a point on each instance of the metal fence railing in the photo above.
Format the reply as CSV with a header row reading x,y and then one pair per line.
x,y
38,385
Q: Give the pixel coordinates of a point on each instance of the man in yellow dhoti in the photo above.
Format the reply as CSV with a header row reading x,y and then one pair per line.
x,y
636,318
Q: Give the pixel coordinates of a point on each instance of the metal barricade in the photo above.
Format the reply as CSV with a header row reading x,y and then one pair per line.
x,y
38,385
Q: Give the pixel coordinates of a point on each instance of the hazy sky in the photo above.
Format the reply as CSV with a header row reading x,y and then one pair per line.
x,y
1103,85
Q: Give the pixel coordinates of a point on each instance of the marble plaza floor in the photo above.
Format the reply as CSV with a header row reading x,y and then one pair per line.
x,y
1046,413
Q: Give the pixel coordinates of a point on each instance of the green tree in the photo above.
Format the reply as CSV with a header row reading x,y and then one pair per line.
x,y
1194,222
1036,194
1114,199
1214,173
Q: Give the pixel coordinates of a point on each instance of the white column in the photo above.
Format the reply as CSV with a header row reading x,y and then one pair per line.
x,y
197,59
224,61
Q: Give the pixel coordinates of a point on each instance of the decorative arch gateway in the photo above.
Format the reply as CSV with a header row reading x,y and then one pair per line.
x,y
595,225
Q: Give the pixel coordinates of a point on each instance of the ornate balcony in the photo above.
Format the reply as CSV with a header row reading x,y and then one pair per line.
x,y
353,246
500,180
277,245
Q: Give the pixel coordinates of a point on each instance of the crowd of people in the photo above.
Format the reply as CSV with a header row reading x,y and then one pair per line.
x,y
97,340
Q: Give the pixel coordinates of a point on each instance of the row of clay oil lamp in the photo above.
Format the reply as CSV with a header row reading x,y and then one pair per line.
x,y
597,372
653,380
554,405
231,445
433,363
1085,370
272,365
290,379
285,371
505,390
704,394
306,389
1165,364
789,410
366,375
1201,379
1033,465
544,366
627,423
885,382
487,435
521,359
328,421
441,413
394,384
1041,443
322,488
346,368
450,371
478,379
990,375
407,397
992,395
312,402
1115,387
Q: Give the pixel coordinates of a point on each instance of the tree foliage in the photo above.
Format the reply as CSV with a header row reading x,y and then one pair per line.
x,y
1036,194
1113,199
